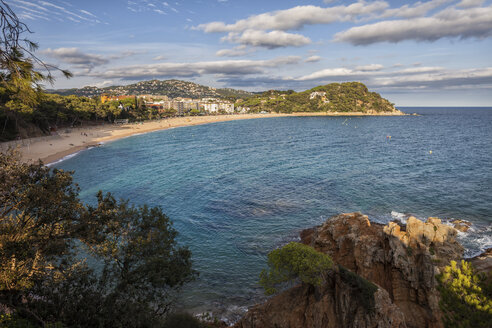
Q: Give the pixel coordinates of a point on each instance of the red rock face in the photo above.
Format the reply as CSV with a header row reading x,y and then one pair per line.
x,y
402,260
336,304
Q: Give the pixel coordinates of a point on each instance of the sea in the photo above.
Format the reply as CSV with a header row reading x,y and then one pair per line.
x,y
237,190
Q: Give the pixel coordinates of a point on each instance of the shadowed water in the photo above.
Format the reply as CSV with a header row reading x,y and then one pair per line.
x,y
236,190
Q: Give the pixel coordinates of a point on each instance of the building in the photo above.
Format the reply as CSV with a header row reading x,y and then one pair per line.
x,y
106,98
211,107
227,107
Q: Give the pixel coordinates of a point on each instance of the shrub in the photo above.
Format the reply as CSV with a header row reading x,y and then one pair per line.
x,y
294,261
466,300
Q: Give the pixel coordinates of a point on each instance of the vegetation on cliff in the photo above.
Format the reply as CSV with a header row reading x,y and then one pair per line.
x,y
68,263
334,97
294,262
466,297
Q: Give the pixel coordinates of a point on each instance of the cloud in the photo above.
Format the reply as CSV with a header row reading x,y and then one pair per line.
x,y
330,73
160,57
296,18
312,59
369,68
234,52
418,9
442,79
270,40
104,84
227,67
470,3
450,22
417,70
76,57
45,10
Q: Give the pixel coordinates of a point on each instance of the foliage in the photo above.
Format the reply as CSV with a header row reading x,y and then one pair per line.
x,y
20,82
48,237
170,88
364,288
466,299
294,261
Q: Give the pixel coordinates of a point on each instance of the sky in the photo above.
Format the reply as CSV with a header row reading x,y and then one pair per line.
x,y
425,53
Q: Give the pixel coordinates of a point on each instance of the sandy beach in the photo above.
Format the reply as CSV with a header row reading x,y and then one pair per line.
x,y
68,141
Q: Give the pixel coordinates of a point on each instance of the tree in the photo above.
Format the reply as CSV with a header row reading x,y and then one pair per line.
x,y
48,238
16,50
20,82
292,262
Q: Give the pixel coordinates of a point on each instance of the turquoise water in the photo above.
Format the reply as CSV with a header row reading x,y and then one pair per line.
x,y
236,190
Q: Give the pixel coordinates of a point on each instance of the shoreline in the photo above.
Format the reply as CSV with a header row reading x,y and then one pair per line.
x,y
50,149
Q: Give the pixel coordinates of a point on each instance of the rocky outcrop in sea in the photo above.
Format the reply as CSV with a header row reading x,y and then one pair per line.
x,y
385,276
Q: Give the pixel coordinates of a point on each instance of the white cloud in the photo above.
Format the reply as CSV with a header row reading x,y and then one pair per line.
x,y
45,10
418,9
418,70
312,59
450,22
234,52
328,73
370,68
439,80
160,57
271,40
297,17
76,57
470,3
104,84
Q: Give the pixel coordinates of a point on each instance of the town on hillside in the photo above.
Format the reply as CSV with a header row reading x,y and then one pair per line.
x,y
179,106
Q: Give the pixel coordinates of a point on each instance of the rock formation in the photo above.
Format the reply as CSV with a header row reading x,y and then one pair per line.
x,y
402,260
338,303
483,263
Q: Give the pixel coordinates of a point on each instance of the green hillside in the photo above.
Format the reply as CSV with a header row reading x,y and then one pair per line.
x,y
170,88
334,97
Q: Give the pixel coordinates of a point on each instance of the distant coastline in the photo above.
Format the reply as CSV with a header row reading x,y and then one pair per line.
x,y
50,149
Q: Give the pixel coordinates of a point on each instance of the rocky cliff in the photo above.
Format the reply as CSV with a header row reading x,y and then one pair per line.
x,y
402,260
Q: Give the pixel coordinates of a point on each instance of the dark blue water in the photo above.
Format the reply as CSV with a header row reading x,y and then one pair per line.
x,y
236,190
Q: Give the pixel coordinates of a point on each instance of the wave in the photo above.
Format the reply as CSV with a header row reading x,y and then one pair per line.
x,y
72,155
64,158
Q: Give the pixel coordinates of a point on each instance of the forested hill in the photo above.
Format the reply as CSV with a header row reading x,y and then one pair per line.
x,y
170,88
334,97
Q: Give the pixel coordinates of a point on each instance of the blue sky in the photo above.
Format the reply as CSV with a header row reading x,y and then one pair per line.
x,y
435,52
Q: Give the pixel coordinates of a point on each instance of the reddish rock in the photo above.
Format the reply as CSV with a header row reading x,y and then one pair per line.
x,y
402,260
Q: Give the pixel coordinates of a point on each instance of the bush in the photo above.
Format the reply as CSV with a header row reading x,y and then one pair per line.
x,y
466,300
294,261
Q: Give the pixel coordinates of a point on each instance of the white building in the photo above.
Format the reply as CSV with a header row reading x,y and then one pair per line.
x,y
211,107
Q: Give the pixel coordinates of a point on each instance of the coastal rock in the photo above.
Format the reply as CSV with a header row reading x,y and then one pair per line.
x,y
461,225
336,304
403,260
483,263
